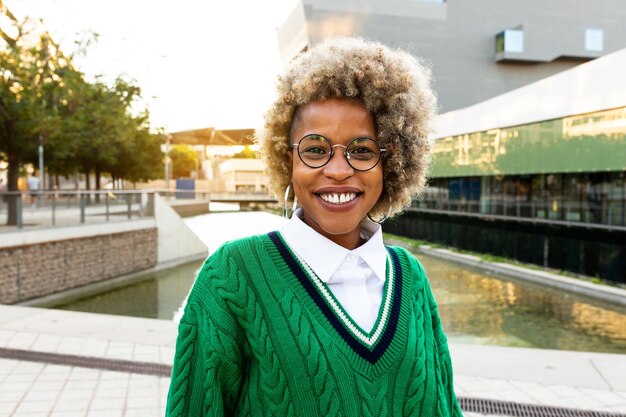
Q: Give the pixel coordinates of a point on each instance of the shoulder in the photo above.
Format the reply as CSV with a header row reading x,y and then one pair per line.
x,y
229,265
244,250
407,259
412,268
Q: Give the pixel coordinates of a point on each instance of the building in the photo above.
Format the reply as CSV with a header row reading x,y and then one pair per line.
x,y
244,175
478,49
536,174
554,149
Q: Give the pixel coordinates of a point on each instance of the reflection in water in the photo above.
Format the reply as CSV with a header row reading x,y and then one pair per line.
x,y
158,296
477,308
474,307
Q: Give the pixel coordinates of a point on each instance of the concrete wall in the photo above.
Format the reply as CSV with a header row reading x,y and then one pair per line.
x,y
177,243
458,37
49,262
44,267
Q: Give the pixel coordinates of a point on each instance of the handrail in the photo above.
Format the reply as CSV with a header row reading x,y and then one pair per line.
x,y
553,211
72,207
49,208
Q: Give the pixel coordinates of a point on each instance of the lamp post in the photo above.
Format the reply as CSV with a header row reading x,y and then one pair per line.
x,y
168,162
41,176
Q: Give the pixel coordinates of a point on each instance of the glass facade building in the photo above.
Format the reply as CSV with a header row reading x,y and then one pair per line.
x,y
570,169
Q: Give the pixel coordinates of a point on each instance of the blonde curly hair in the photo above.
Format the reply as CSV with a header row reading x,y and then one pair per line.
x,y
393,85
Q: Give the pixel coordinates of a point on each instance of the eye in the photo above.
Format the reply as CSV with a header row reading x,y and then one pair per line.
x,y
361,149
312,149
314,146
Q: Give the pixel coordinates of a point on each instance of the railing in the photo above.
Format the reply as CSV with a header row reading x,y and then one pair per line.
x,y
70,208
66,208
180,194
570,212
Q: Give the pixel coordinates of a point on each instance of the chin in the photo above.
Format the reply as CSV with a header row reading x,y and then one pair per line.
x,y
339,228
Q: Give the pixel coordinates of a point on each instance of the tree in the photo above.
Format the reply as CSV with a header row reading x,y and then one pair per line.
x,y
30,68
140,157
86,126
245,153
183,160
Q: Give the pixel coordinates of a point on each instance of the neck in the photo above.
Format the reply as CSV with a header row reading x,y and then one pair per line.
x,y
348,242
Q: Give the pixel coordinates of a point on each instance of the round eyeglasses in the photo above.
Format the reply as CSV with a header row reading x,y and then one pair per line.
x,y
362,153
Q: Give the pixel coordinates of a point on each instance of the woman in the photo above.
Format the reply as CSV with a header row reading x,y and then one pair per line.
x,y
320,319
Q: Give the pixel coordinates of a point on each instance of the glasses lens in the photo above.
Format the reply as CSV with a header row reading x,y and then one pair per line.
x,y
363,153
314,150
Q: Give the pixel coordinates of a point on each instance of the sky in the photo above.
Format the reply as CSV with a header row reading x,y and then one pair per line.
x,y
199,63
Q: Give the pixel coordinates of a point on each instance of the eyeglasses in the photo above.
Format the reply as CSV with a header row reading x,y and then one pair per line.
x,y
362,153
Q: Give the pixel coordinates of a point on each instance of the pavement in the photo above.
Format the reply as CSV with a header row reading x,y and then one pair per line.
x,y
57,363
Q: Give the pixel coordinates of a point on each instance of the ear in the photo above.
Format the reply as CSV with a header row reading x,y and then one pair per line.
x,y
290,153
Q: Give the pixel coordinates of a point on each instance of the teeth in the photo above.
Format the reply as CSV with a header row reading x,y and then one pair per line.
x,y
338,198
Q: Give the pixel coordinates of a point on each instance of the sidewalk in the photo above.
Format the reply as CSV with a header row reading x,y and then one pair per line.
x,y
30,388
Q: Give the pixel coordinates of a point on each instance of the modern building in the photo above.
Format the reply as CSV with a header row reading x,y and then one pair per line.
x,y
477,49
537,174
554,149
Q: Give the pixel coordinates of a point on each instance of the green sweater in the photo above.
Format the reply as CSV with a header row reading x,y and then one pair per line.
x,y
263,336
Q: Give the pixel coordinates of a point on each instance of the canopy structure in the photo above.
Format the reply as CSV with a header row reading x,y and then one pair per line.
x,y
212,136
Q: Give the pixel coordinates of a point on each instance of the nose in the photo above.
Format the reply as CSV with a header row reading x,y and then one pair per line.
x,y
338,167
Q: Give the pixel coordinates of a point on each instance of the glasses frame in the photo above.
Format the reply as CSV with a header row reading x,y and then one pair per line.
x,y
345,152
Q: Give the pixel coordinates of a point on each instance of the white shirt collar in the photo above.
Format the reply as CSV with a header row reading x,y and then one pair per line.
x,y
324,256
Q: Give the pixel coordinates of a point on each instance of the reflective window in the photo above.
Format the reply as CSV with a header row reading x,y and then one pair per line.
x,y
582,143
576,197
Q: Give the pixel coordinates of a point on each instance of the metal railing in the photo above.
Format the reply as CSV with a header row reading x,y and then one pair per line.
x,y
19,210
554,210
71,208
180,194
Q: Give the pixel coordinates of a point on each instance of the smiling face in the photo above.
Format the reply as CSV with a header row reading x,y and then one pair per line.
x,y
335,198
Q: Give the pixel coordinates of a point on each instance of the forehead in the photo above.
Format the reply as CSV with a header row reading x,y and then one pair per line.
x,y
338,119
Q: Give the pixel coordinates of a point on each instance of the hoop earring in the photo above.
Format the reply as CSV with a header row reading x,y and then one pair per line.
x,y
381,220
293,207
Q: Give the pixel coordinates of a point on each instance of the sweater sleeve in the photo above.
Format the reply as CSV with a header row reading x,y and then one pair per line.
x,y
207,372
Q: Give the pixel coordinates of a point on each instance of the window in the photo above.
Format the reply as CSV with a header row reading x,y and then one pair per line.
x,y
511,40
594,40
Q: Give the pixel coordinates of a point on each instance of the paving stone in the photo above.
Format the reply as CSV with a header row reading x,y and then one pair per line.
x,y
108,403
41,407
145,412
72,404
105,413
67,414
41,395
6,406
609,398
48,385
142,402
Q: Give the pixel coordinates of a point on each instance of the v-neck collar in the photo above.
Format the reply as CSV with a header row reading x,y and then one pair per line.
x,y
369,346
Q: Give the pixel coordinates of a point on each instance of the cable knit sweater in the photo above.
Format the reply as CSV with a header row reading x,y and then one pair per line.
x,y
263,336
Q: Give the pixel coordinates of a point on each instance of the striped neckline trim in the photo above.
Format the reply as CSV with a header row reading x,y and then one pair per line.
x,y
372,346
370,338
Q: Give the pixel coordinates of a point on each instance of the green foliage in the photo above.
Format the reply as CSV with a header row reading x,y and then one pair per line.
x,y
246,153
183,160
84,126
